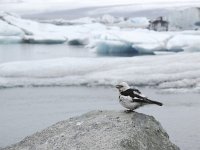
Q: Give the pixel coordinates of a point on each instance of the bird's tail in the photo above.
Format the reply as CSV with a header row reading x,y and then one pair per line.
x,y
155,102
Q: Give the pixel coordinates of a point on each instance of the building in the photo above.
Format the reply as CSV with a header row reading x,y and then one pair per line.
x,y
158,24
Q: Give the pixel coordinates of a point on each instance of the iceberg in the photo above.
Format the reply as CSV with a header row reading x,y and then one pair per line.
x,y
105,38
115,48
27,31
185,42
9,30
119,48
44,39
10,39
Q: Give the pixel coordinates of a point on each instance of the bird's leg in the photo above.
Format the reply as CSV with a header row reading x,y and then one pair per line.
x,y
128,111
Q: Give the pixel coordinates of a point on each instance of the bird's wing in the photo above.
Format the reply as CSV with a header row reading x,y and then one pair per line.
x,y
136,90
129,92
135,96
141,100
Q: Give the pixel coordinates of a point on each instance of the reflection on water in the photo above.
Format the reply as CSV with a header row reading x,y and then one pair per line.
x,y
24,111
19,52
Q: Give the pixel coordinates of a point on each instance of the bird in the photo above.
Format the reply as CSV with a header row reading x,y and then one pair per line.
x,y
132,98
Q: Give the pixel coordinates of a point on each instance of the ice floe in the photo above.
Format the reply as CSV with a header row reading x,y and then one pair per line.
x,y
102,35
166,72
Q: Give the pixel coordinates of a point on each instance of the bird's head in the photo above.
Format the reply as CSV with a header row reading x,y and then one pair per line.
x,y
122,86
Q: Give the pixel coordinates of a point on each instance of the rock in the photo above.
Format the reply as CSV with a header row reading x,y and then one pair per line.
x,y
99,130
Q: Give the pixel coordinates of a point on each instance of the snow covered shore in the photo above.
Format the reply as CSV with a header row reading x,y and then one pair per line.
x,y
178,72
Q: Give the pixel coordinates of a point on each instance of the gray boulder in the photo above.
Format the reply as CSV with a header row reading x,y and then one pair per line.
x,y
97,130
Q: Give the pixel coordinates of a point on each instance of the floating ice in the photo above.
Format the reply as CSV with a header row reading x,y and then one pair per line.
x,y
105,39
10,39
167,72
185,42
9,30
44,39
118,48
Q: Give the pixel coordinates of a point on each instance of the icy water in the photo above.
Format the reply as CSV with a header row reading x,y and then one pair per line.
x,y
24,111
25,52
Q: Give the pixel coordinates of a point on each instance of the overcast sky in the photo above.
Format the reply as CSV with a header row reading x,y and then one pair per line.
x,y
31,6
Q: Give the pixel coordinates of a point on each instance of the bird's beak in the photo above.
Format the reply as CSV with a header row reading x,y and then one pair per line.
x,y
118,86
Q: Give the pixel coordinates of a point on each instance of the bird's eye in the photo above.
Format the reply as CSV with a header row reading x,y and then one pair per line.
x,y
119,86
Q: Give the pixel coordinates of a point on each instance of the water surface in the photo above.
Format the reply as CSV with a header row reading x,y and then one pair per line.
x,y
26,52
24,111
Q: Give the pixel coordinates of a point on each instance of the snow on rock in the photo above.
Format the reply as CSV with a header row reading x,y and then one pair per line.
x,y
168,72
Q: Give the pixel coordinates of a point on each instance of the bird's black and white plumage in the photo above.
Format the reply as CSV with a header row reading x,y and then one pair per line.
x,y
132,98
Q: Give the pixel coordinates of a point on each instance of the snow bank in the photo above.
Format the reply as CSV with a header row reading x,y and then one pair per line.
x,y
167,72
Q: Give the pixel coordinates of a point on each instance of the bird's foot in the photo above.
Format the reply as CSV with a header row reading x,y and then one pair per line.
x,y
128,111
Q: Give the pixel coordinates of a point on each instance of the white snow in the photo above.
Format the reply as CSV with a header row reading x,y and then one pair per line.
x,y
179,71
